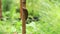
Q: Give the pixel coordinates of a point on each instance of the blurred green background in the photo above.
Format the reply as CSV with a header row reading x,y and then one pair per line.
x,y
43,18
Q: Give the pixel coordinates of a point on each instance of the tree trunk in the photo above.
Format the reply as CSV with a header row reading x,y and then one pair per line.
x,y
0,10
23,5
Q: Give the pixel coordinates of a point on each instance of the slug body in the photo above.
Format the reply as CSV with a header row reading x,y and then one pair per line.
x,y
25,13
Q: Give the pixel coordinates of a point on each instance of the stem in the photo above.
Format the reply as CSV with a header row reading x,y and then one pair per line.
x,y
0,10
23,4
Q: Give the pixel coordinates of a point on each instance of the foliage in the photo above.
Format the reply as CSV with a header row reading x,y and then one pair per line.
x,y
43,18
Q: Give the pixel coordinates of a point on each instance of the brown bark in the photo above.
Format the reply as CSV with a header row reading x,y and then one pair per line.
x,y
22,14
0,10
